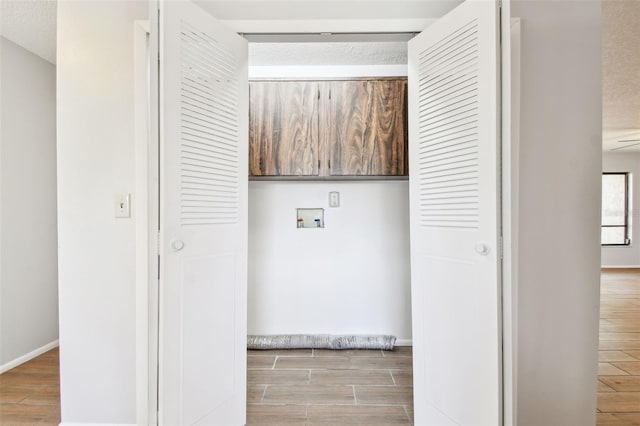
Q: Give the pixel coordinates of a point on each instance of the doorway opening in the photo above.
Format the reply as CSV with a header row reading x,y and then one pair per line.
x,y
192,150
350,277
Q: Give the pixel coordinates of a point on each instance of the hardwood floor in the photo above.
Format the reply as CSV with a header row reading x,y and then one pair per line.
x,y
305,387
619,356
314,387
30,393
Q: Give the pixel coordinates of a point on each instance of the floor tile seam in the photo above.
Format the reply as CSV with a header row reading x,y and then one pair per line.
x,y
392,377
25,403
626,351
301,405
20,402
386,386
621,368
264,392
297,385
406,412
313,369
382,404
271,369
38,404
342,385
373,369
329,369
332,356
310,403
611,365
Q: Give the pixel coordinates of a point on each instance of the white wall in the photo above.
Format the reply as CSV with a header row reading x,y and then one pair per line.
x,y
97,251
28,283
625,255
557,293
352,277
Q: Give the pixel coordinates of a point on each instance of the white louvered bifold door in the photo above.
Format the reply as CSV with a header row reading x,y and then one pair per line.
x,y
203,217
454,192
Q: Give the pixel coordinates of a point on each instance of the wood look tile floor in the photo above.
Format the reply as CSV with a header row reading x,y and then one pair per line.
x,y
305,387
30,393
619,355
324,387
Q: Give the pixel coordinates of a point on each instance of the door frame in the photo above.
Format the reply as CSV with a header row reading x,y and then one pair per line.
x,y
147,189
146,213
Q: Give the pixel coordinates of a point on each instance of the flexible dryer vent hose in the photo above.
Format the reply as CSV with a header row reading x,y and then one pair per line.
x,y
321,341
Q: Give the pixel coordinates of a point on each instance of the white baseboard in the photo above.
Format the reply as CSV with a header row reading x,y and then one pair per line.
x,y
404,342
620,267
28,357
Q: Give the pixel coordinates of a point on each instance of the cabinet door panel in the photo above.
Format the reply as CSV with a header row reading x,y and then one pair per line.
x,y
283,128
368,129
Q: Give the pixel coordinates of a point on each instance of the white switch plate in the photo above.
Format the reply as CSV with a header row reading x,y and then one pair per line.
x,y
122,205
334,199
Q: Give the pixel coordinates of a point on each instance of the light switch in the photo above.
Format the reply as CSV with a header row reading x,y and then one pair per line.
x,y
122,205
334,199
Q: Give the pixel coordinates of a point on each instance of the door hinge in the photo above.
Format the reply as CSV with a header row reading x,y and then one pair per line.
x,y
158,243
501,247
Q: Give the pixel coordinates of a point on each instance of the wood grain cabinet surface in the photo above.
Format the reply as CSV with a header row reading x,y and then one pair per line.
x,y
367,125
328,128
283,128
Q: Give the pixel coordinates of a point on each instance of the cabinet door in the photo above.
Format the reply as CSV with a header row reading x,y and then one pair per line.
x,y
368,128
283,128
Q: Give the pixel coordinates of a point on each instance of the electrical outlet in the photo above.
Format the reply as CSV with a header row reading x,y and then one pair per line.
x,y
334,199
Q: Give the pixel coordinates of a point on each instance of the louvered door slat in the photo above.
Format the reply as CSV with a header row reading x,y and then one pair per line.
x,y
452,115
209,133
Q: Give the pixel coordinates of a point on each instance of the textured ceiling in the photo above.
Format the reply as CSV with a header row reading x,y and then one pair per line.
x,y
31,24
621,75
380,53
326,9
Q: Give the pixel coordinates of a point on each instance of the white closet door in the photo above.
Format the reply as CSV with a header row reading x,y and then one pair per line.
x,y
203,218
455,225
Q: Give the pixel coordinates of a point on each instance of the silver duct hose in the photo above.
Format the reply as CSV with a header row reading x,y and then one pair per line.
x,y
321,341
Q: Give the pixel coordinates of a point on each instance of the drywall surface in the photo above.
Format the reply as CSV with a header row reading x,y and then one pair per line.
x,y
351,277
625,255
557,290
96,250
29,265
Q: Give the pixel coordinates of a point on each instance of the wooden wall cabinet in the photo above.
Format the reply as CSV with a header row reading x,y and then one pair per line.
x,y
283,128
368,128
328,128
